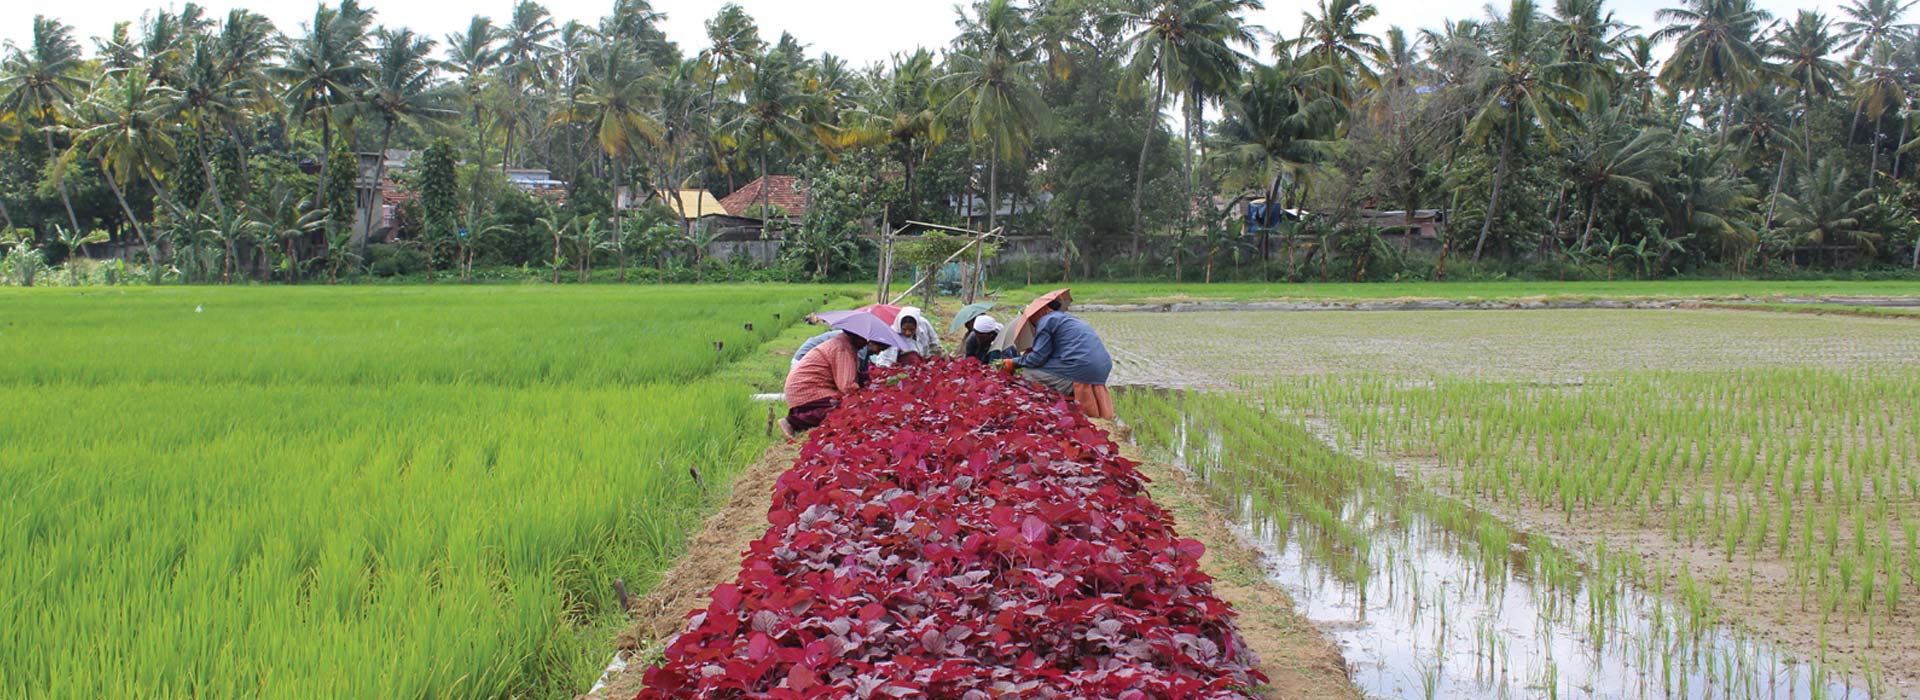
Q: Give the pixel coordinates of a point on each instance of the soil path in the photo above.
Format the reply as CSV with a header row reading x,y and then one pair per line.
x,y
1298,660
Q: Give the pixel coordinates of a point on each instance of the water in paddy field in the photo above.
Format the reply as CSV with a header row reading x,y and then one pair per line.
x,y
1428,599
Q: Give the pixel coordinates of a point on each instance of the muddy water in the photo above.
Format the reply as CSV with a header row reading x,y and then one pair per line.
x,y
1432,604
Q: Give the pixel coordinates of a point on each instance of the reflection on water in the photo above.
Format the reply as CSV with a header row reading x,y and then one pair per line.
x,y
1429,599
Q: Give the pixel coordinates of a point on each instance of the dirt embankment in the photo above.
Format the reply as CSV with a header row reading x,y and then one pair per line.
x,y
1298,660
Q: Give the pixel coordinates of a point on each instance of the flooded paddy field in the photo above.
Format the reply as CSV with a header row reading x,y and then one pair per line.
x,y
1213,349
1623,504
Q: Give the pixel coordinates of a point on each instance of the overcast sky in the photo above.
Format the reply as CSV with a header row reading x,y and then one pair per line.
x,y
861,31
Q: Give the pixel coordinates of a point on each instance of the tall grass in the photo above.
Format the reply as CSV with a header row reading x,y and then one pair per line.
x,y
366,493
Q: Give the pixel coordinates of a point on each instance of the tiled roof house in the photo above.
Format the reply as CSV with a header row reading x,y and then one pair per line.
x,y
783,191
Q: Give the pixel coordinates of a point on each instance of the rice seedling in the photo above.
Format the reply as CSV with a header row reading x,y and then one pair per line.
x,y
1803,471
353,493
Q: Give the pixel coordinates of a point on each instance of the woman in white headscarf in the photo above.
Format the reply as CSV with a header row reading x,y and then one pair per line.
x,y
912,325
982,332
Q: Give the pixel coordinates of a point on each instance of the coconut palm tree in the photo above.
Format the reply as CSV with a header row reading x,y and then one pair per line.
x,y
614,104
995,89
290,218
1523,88
471,55
1333,39
400,90
1610,152
733,45
1700,197
525,49
9,137
1829,211
1879,88
775,102
208,99
127,120
323,72
1638,69
1585,33
1715,50
246,45
1281,120
1872,22
905,110
1801,50
1189,47
41,81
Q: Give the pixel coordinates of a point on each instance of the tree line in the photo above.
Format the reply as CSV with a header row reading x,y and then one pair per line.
x,y
1556,140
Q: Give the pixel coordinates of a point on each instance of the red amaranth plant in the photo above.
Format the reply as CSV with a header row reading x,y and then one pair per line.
x,y
954,533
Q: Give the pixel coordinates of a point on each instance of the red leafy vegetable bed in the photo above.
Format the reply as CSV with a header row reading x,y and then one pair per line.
x,y
953,532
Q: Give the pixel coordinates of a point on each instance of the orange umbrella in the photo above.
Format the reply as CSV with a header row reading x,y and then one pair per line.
x,y
1022,335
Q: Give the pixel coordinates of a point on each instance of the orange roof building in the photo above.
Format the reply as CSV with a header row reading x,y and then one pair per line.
x,y
786,192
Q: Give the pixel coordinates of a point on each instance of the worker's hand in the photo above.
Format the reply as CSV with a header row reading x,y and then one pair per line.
x,y
1007,366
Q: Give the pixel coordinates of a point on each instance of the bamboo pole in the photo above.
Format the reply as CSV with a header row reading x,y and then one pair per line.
x,y
935,269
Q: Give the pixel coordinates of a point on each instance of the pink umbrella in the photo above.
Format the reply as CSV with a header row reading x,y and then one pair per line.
x,y
886,312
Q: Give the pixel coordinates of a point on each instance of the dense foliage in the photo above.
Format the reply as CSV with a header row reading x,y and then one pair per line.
x,y
955,533
1554,138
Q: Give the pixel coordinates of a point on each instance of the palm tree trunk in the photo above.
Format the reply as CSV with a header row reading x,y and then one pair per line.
x,y
206,168
326,159
240,162
619,174
1779,176
1873,169
377,199
1493,202
1593,207
1140,168
6,217
1897,150
766,190
506,144
121,197
59,182
1192,120
1559,216
993,188
1806,132
906,164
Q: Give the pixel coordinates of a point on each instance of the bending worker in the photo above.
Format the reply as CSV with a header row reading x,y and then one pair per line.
x,y
1068,357
982,331
821,379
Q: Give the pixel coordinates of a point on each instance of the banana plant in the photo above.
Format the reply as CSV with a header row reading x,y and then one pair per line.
x,y
72,239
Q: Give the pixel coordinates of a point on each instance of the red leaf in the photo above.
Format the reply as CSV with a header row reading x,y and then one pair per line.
x,y
1033,529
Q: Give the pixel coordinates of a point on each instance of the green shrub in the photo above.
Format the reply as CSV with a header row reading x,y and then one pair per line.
x,y
386,260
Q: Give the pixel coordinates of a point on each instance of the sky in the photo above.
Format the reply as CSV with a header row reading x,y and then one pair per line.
x,y
860,31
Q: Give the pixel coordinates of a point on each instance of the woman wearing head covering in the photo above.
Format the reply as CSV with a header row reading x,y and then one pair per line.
x,y
922,343
1068,357
982,331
